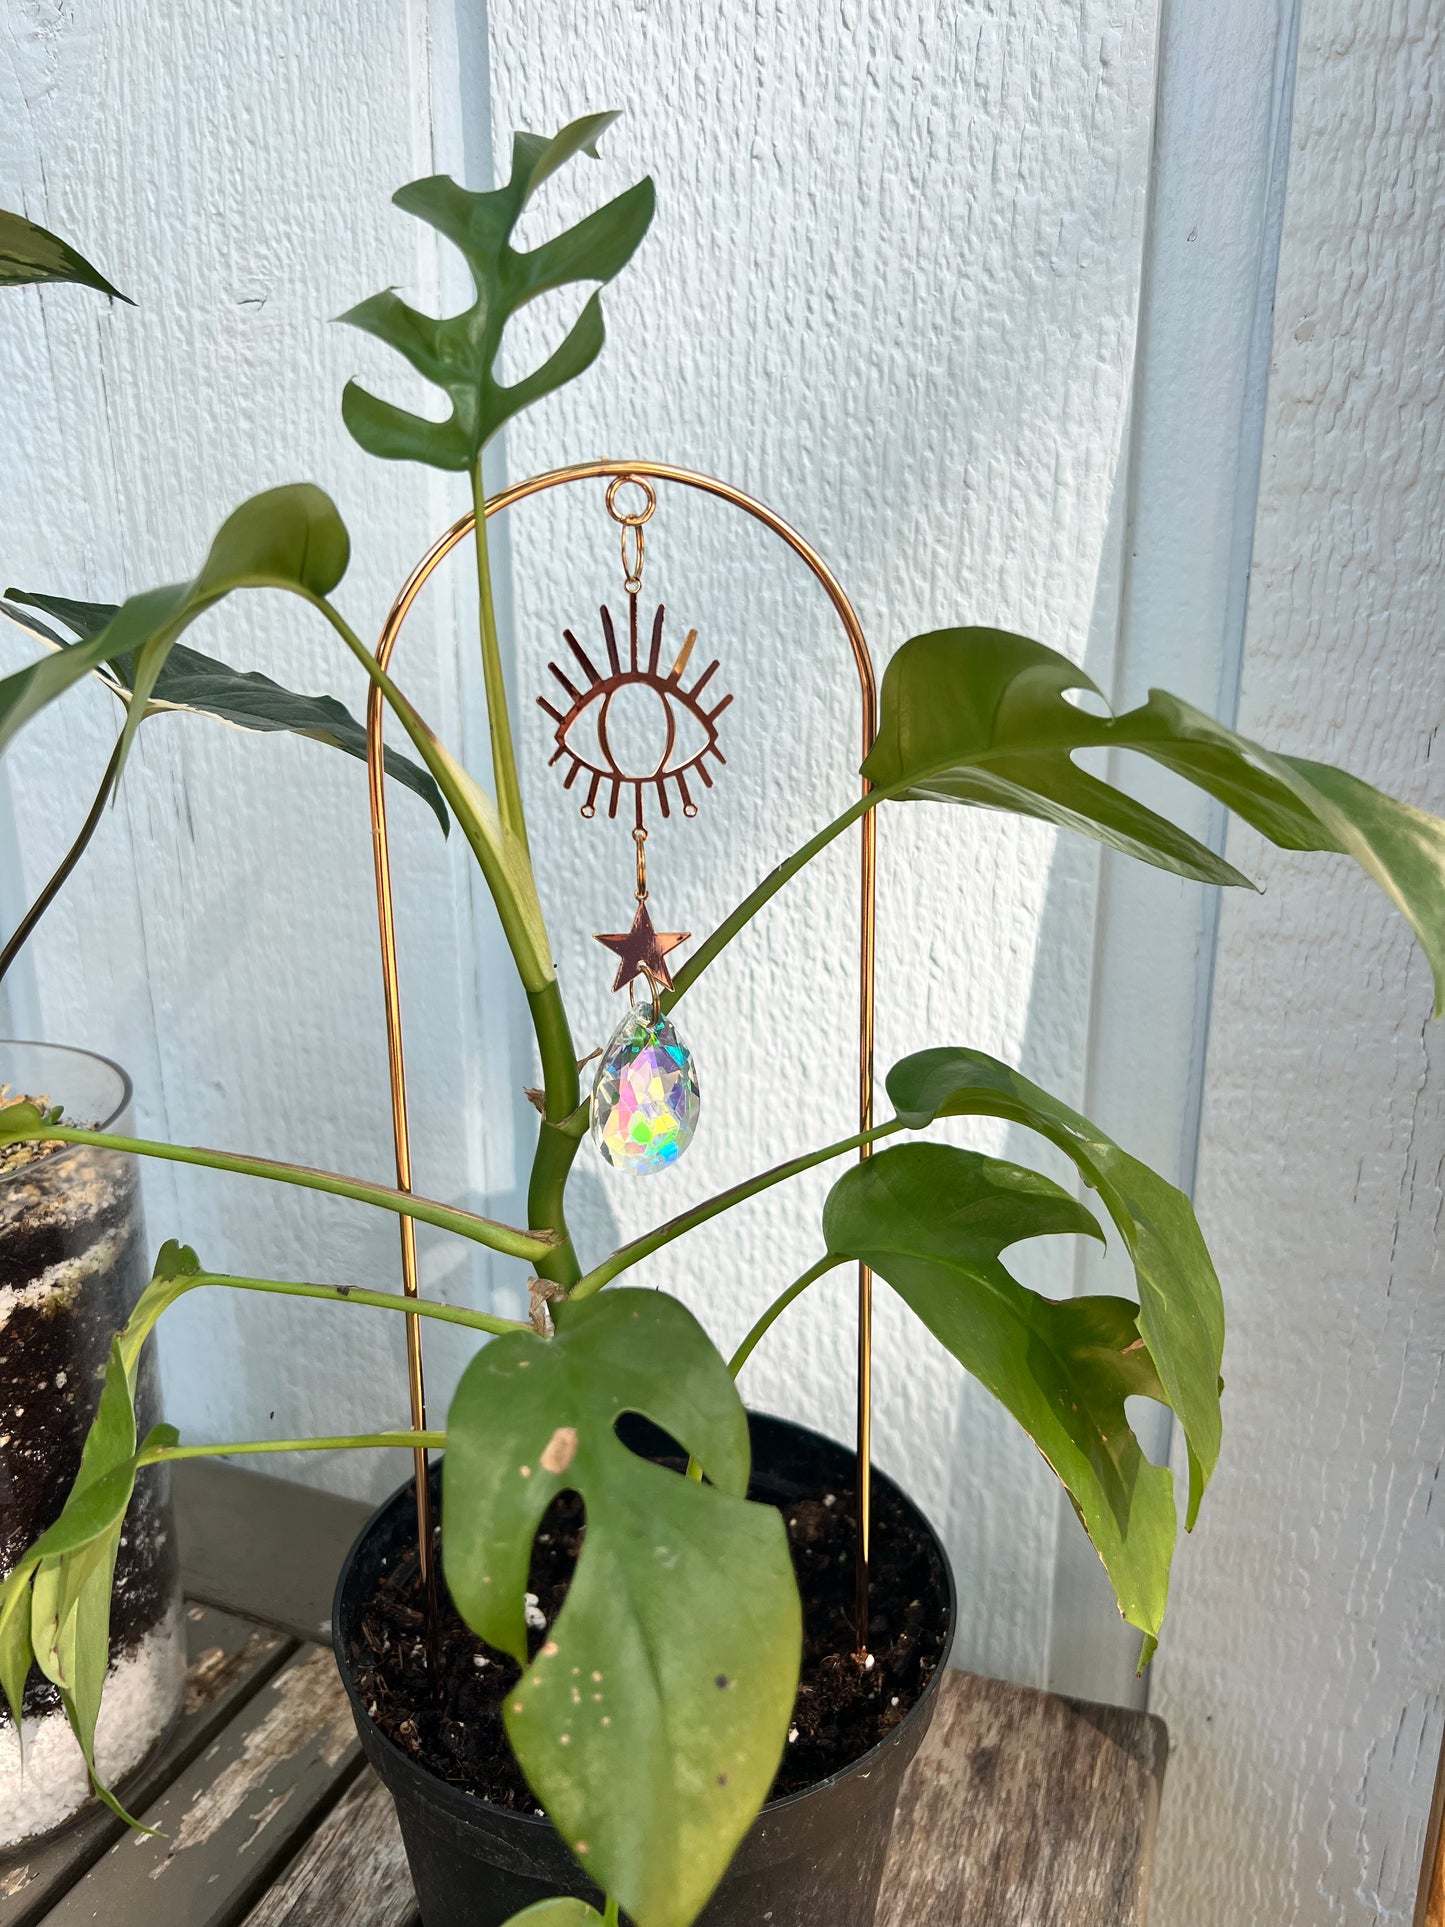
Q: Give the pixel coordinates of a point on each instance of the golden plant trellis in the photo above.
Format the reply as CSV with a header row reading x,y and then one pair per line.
x,y
617,472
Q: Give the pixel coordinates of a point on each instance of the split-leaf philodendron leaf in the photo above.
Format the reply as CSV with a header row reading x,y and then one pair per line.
x,y
982,717
651,1722
31,253
192,683
1181,1308
459,352
933,1220
290,538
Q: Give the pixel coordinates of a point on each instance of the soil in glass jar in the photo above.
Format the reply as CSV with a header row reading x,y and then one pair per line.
x,y
73,1261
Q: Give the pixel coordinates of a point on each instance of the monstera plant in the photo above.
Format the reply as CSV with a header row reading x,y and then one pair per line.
x,y
650,1712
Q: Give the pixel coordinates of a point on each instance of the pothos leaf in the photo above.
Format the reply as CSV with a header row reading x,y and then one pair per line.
x,y
651,1722
979,716
1181,1308
290,537
458,353
63,1583
933,1221
55,1603
554,1913
32,253
191,682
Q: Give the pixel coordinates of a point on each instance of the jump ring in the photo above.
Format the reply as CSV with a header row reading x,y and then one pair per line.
x,y
636,520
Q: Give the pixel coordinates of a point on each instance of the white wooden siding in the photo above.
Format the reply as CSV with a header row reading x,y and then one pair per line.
x,y
1301,1678
973,295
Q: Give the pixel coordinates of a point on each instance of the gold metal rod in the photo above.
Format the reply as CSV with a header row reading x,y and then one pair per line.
x,y
401,1135
863,662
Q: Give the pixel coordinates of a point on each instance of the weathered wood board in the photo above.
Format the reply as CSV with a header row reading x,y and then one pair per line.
x,y
229,1659
1023,1809
233,1819
352,1870
265,1547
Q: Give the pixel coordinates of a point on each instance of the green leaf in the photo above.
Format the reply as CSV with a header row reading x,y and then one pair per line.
x,y
189,682
19,1118
1302,805
31,253
16,1652
55,1604
1181,1308
979,716
932,1221
176,1265
290,537
651,1722
458,352
554,1913
74,1564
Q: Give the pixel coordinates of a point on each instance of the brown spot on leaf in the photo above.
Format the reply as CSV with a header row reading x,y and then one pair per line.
x,y
560,1449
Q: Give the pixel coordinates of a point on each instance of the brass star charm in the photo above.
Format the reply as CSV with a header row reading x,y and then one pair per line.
x,y
642,950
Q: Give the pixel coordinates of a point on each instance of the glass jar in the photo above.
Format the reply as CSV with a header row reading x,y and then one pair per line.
x,y
73,1261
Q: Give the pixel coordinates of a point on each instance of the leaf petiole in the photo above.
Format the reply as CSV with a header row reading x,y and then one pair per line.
x,y
776,1309
530,1245
356,1442
643,1247
504,758
765,891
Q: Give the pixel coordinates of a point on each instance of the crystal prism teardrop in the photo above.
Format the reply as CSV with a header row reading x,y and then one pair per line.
x,y
645,1097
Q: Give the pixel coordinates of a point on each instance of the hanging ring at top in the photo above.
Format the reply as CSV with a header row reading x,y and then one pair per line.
x,y
635,519
632,522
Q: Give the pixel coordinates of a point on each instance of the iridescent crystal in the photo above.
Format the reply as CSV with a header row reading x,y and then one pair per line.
x,y
645,1099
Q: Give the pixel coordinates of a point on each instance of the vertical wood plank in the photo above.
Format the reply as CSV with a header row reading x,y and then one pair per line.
x,y
1216,191
1302,1671
892,288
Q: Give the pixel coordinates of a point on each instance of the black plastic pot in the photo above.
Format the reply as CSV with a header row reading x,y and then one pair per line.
x,y
814,1859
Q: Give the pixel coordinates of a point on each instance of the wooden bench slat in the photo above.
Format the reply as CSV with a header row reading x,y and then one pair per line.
x,y
263,1547
1023,1809
352,1870
228,1660
236,1815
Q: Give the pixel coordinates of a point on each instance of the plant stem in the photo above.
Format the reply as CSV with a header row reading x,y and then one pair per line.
x,y
504,760
501,856
169,1454
609,1918
552,1159
534,1246
775,1310
42,903
643,1247
765,891
482,1321
558,1140
501,852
